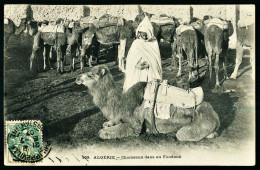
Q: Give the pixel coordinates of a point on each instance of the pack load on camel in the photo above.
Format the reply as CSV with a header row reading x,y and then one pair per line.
x,y
107,29
222,24
89,43
186,42
162,20
53,28
216,38
108,20
50,35
159,96
173,95
86,21
183,28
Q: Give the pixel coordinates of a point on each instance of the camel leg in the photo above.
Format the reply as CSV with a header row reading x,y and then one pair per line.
x,y
59,56
118,131
217,69
36,47
82,57
50,57
239,56
196,60
121,55
32,58
72,56
205,126
51,48
46,51
210,65
225,65
90,60
191,65
173,54
180,63
63,57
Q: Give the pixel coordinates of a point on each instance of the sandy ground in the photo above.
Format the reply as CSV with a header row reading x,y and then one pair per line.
x,y
71,121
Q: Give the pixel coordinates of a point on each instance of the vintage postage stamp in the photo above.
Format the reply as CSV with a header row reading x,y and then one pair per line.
x,y
79,89
24,141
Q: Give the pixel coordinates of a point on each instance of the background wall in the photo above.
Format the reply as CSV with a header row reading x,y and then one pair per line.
x,y
52,12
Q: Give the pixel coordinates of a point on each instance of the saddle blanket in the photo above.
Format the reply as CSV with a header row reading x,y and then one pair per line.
x,y
52,28
162,20
161,110
183,28
218,22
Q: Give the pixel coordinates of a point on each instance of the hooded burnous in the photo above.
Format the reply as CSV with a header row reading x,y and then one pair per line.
x,y
143,62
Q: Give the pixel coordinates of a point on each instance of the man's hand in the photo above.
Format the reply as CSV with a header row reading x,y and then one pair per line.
x,y
141,66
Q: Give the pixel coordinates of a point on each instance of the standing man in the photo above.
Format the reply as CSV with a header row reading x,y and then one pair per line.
x,y
143,62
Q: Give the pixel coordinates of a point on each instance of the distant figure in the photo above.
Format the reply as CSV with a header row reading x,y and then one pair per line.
x,y
143,62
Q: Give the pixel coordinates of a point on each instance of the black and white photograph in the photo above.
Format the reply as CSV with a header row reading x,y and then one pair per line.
x,y
129,84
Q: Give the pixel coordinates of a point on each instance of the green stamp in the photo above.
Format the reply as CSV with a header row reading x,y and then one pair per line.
x,y
24,141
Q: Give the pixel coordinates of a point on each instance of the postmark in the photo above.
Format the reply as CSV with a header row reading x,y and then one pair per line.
x,y
24,142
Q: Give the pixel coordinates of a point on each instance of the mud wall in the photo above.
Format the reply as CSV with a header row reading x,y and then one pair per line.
x,y
52,12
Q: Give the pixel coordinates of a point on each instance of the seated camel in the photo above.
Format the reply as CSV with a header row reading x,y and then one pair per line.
x,y
127,112
245,38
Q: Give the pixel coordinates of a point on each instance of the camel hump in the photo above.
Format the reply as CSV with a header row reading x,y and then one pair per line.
x,y
176,96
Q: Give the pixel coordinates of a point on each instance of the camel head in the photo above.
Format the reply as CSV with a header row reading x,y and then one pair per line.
x,y
32,27
94,75
197,23
22,27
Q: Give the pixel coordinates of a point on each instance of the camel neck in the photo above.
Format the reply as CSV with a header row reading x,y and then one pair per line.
x,y
101,90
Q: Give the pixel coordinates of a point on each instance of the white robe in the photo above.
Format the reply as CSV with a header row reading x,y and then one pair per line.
x,y
146,51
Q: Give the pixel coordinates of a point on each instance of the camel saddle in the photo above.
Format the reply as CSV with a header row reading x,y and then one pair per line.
x,y
183,28
86,21
53,28
108,20
218,22
162,20
173,95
